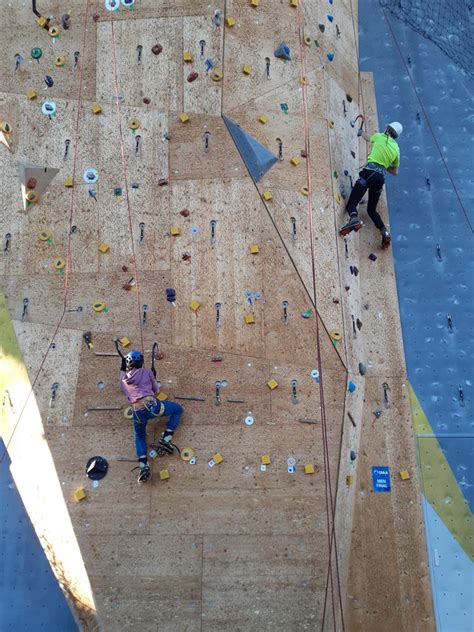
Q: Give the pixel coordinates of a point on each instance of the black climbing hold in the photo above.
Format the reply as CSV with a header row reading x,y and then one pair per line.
x,y
96,468
362,368
353,455
373,257
322,28
49,81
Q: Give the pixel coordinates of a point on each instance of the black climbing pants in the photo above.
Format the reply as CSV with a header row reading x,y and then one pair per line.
x,y
373,181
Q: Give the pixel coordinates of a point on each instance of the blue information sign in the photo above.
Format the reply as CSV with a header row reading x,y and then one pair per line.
x,y
381,478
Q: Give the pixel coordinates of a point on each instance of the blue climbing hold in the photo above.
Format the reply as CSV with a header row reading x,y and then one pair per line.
x,y
283,52
170,295
258,159
351,387
330,56
330,18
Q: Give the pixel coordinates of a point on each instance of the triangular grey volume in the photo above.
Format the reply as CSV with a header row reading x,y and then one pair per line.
x,y
258,159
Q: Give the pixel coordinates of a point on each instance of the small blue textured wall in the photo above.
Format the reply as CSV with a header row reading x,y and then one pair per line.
x,y
30,597
419,86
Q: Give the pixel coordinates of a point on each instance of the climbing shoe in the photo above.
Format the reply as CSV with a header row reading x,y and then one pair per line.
x,y
353,224
386,239
145,472
165,444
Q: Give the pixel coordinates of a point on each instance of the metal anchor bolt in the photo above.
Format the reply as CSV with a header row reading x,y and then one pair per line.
x,y
202,46
77,54
145,310
67,142
450,322
7,242
141,226
138,139
438,252
285,312
54,390
213,231
25,307
293,227
267,66
217,399
294,391
139,54
207,136
218,314
280,148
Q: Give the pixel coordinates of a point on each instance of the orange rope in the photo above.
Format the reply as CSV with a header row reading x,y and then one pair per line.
x,y
330,503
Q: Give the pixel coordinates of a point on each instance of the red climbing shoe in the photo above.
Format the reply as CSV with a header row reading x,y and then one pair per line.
x,y
354,224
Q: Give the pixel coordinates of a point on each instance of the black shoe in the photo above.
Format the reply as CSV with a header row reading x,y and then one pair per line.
x,y
165,445
386,239
354,224
145,472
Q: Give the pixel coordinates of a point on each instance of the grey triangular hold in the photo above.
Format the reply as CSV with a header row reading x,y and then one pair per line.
x,y
258,159
42,175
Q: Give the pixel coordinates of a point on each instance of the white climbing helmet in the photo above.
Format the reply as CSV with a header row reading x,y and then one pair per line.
x,y
396,127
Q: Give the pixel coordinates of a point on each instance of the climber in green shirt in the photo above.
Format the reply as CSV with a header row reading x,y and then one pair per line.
x,y
384,156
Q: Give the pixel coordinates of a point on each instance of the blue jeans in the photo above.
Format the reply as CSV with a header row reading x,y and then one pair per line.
x,y
156,409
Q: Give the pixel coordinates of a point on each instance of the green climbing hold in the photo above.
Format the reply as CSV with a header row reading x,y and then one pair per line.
x,y
36,53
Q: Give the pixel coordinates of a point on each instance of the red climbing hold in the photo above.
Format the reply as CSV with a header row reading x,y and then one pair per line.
x,y
192,77
156,49
184,212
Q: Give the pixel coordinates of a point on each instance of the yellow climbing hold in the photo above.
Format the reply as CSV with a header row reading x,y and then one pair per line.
x,y
184,118
246,69
31,94
162,397
293,3
164,475
309,468
31,197
216,74
254,3
44,235
79,494
124,341
5,127
330,124
128,412
249,319
103,247
60,61
218,458
98,306
304,191
195,306
254,249
338,197
272,384
295,161
404,475
187,454
53,31
304,81
96,109
69,181
266,460
175,231
263,119
134,123
42,21
267,195
187,56
335,334
307,40
59,264
230,21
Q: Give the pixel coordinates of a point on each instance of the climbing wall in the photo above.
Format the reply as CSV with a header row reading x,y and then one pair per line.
x,y
201,156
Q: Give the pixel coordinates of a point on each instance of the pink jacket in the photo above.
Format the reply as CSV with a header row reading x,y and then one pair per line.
x,y
138,383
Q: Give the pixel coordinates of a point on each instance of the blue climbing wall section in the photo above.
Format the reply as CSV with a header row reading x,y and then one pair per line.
x,y
431,206
30,597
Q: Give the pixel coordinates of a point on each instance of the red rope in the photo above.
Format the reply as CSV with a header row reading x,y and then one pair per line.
x,y
330,505
125,175
68,249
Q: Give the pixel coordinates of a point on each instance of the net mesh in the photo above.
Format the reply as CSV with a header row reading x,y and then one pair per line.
x,y
447,23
